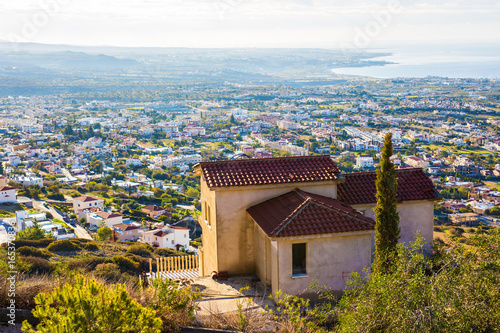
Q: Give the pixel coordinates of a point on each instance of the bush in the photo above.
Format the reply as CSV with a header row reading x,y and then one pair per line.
x,y
41,243
63,245
91,246
126,264
36,265
175,306
104,233
89,306
142,250
168,252
88,264
30,251
109,272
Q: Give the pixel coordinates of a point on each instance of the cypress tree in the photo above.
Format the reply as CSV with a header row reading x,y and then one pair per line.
x,y
387,231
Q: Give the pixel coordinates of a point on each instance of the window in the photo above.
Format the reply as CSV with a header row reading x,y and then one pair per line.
x,y
208,216
172,241
299,259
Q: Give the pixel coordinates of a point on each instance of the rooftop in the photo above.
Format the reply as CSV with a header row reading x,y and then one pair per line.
x,y
413,184
85,198
262,171
300,213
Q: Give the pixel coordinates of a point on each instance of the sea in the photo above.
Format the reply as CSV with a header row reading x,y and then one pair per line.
x,y
465,61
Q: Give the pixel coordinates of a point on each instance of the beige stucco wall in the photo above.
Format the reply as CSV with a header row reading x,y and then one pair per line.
x,y
414,216
208,264
229,244
263,266
329,258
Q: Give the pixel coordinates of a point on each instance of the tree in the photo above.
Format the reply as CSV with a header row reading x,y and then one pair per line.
x,y
32,233
387,230
1,168
452,291
89,306
104,233
68,130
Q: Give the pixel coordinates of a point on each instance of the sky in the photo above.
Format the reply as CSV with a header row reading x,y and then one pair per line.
x,y
250,23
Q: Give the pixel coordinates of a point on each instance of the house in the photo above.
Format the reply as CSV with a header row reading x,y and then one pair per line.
x,y
100,219
364,161
84,202
27,180
293,219
168,237
153,211
133,162
127,232
416,162
8,194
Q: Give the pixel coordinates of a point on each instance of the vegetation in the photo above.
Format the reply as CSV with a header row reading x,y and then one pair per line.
x,y
63,245
89,306
387,231
104,233
32,233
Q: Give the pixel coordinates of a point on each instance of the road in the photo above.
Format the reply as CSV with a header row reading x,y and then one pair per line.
x,y
3,232
79,231
488,220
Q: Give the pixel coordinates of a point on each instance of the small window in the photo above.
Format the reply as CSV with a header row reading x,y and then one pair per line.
x,y
299,259
172,241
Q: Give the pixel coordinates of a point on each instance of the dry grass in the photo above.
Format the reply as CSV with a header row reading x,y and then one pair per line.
x,y
246,319
27,287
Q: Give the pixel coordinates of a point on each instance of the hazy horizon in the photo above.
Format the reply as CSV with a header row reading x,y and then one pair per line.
x,y
251,23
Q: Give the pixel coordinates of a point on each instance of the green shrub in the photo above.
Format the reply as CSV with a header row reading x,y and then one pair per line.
x,y
30,251
91,246
109,272
142,250
126,264
89,306
438,229
36,265
175,306
63,245
88,264
41,243
168,252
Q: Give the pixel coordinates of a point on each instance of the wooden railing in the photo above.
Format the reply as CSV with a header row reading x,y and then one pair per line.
x,y
174,264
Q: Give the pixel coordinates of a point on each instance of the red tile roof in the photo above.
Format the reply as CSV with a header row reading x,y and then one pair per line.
x,y
125,226
277,170
7,188
153,208
85,198
299,213
161,233
359,187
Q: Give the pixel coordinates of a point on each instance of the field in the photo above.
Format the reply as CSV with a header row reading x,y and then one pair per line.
x,y
458,150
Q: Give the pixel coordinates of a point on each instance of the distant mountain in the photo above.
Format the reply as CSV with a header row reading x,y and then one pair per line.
x,y
66,60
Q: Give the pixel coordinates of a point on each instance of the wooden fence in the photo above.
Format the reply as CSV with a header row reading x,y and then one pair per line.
x,y
175,267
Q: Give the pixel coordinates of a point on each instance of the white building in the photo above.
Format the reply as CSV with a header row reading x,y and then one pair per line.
x,y
183,159
284,124
364,161
27,180
8,194
168,237
14,159
133,162
101,219
85,201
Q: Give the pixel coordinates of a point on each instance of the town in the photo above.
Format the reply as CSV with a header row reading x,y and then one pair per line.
x,y
146,176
